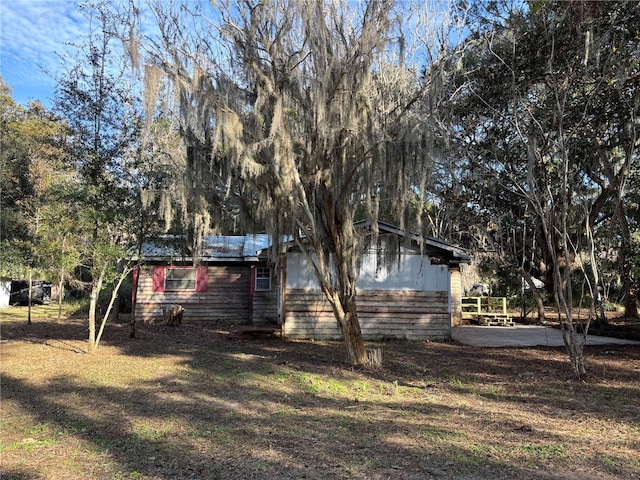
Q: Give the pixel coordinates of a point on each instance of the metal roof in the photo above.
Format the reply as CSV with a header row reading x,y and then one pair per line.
x,y
214,248
243,248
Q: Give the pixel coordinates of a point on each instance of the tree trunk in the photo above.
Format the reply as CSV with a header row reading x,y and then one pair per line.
x,y
114,298
96,286
574,341
93,301
60,296
342,299
352,334
628,284
630,294
594,289
113,310
630,302
134,297
536,295
29,293
345,311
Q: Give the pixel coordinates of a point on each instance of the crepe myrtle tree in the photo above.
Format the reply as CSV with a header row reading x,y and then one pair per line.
x,y
549,117
311,111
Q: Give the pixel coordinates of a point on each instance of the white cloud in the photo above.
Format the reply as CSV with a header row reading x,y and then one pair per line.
x,y
32,35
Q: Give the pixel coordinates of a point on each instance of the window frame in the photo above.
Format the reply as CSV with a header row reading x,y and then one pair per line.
x,y
193,272
260,279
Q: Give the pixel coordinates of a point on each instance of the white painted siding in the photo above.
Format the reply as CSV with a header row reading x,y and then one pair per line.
x,y
414,273
300,272
409,298
411,271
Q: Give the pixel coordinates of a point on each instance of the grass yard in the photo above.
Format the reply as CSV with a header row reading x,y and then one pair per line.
x,y
194,402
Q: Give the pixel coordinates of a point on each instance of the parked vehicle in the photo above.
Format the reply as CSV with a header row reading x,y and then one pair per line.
x,y
40,292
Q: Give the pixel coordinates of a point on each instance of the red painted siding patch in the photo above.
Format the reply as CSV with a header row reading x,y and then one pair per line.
x,y
157,277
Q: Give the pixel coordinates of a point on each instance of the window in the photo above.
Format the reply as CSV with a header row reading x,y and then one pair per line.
x,y
180,279
175,279
263,278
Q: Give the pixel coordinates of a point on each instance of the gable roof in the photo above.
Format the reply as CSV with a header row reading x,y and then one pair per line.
x,y
432,244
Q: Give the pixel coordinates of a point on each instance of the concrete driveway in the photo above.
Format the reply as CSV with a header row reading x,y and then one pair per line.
x,y
522,336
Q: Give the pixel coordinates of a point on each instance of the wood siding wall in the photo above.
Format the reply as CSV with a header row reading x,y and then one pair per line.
x,y
382,314
265,306
456,296
227,296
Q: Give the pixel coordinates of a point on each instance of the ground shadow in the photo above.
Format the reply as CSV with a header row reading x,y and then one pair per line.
x,y
237,408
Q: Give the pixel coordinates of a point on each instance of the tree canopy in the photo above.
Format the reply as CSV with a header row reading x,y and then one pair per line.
x,y
33,172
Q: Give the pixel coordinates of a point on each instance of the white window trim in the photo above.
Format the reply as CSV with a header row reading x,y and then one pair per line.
x,y
258,284
190,269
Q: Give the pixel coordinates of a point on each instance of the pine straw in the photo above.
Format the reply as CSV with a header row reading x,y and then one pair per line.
x,y
196,402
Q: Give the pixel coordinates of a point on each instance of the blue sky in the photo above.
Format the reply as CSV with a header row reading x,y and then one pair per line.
x,y
32,33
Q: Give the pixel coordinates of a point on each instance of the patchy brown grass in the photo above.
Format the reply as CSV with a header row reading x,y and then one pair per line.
x,y
189,402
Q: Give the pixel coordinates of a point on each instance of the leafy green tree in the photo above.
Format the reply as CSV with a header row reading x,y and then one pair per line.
x,y
632,201
95,96
59,238
33,161
15,184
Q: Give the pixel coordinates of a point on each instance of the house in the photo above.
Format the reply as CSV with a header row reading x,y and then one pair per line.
x,y
407,287
231,277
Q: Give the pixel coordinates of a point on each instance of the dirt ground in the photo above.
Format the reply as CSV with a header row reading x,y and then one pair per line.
x,y
617,327
202,401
